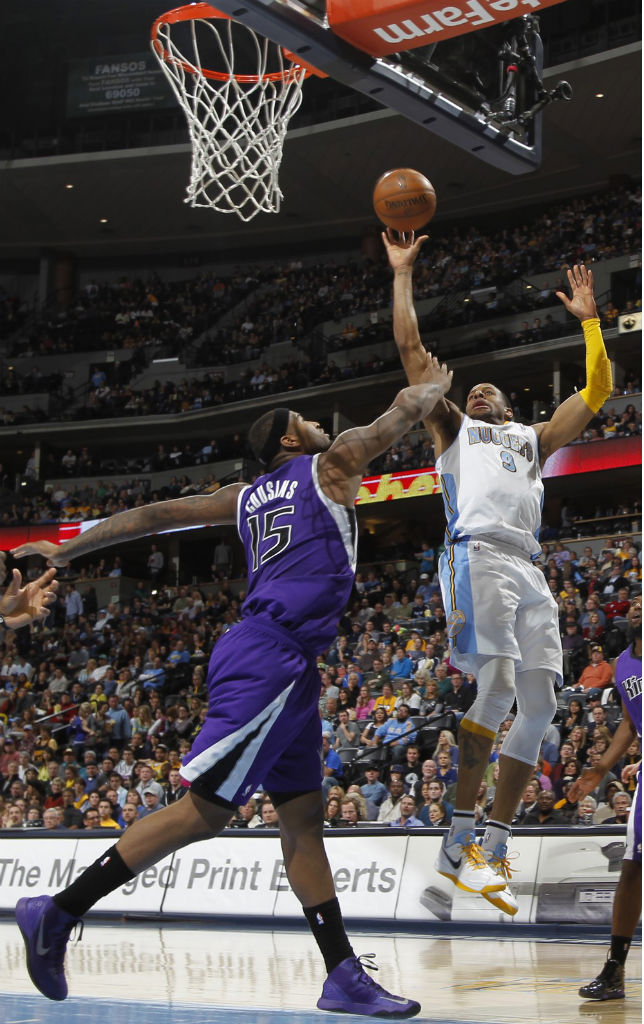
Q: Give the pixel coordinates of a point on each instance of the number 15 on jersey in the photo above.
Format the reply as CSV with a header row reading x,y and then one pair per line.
x,y
270,528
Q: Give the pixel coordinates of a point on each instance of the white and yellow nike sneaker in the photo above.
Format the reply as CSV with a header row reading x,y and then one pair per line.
x,y
503,899
464,862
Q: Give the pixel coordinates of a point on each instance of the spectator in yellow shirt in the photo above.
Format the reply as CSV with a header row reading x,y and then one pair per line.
x,y
387,699
105,812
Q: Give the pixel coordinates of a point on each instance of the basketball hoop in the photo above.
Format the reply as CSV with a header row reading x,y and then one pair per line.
x,y
237,121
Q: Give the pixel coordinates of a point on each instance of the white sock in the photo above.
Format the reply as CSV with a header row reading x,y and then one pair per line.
x,y
495,832
462,821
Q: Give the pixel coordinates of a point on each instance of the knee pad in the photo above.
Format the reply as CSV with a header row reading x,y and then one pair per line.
x,y
536,706
495,696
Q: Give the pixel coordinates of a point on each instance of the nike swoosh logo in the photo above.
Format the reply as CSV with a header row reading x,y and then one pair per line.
x,y
40,949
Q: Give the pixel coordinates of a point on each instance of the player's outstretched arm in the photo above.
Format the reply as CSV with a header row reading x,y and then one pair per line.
x,y
402,252
21,605
591,777
342,467
577,411
195,510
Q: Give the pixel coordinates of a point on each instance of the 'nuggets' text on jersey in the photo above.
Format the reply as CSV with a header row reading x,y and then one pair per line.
x,y
492,487
491,435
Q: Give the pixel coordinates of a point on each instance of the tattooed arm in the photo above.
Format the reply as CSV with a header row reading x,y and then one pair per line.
x,y
342,467
196,510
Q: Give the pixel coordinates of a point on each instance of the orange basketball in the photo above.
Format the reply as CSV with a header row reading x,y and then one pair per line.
x,y
404,199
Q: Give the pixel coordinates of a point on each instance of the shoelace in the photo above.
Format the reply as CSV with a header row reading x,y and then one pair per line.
x,y
503,864
368,960
60,939
474,855
610,968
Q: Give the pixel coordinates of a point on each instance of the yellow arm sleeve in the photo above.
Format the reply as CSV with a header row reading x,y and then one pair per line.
x,y
599,377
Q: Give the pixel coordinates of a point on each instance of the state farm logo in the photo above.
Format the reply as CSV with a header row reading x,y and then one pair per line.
x,y
379,29
376,30
454,20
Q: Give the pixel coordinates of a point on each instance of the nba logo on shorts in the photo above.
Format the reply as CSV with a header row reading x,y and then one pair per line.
x,y
455,622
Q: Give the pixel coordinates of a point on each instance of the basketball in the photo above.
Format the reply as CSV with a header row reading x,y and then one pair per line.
x,y
404,199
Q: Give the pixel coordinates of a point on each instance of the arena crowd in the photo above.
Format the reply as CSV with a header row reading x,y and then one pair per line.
x,y
98,706
69,502
212,319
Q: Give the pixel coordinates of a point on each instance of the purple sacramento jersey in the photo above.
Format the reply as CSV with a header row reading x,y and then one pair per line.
x,y
300,550
628,680
263,726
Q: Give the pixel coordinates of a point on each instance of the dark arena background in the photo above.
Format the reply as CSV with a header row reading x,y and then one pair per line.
x,y
140,336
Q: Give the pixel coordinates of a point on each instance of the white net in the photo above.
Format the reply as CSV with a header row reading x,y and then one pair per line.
x,y
237,125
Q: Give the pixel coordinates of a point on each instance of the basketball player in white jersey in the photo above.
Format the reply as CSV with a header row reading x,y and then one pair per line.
x,y
502,620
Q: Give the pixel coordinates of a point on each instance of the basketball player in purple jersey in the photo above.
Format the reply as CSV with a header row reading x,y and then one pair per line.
x,y
298,527
627,907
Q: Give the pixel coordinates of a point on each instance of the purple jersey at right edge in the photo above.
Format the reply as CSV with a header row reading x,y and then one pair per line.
x,y
300,551
628,680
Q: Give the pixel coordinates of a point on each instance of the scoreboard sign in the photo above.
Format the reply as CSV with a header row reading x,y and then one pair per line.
x,y
107,85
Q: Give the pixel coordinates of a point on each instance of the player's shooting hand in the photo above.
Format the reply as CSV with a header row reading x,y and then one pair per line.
x,y
402,247
21,605
582,301
52,552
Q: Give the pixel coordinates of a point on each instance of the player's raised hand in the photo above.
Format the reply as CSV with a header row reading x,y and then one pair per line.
x,y
54,553
402,247
437,373
582,301
22,605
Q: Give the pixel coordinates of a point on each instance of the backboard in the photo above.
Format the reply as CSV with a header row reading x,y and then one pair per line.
x,y
463,89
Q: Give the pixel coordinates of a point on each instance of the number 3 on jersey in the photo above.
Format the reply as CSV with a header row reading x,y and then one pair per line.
x,y
279,533
507,461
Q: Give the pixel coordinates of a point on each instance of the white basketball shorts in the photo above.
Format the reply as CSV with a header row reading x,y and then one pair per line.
x,y
497,604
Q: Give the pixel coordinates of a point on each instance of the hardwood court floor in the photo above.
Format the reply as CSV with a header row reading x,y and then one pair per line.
x,y
140,973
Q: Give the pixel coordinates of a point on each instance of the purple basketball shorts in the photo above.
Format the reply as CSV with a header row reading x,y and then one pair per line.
x,y
263,726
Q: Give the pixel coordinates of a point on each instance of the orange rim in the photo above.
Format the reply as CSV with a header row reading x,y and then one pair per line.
x,y
197,11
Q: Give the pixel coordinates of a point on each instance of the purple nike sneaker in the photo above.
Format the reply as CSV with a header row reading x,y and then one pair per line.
x,y
46,930
348,989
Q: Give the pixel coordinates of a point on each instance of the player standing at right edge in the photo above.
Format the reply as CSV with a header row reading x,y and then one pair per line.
x,y
627,906
502,620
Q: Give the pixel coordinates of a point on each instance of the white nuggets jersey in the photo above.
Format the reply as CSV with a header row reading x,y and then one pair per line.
x,y
492,485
